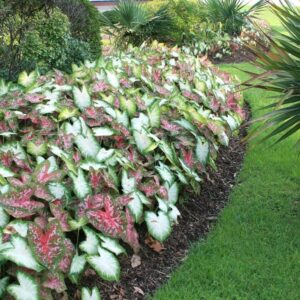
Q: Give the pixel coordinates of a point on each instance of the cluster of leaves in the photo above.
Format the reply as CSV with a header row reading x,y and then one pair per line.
x,y
39,34
87,157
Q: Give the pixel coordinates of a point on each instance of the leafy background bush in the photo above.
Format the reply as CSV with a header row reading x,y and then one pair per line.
x,y
37,33
78,174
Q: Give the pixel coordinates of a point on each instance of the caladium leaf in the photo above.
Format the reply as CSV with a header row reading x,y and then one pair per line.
x,y
77,224
77,267
57,190
154,113
173,213
15,148
6,172
20,253
20,204
165,173
128,184
48,245
136,206
44,175
87,145
143,142
202,150
4,218
104,155
173,192
111,244
82,98
112,79
81,186
90,245
17,226
105,264
159,226
3,285
54,281
27,289
103,131
26,80
37,148
87,294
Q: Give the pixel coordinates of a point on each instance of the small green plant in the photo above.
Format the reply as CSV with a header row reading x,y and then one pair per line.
x,y
86,158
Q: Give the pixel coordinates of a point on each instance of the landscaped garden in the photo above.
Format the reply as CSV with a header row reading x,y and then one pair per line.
x,y
125,133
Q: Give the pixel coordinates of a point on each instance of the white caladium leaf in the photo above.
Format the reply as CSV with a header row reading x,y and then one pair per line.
x,y
103,131
5,172
112,79
90,245
140,123
48,108
105,264
128,184
77,267
26,80
81,186
3,285
82,98
165,173
173,192
87,145
104,154
52,163
111,244
173,213
87,294
189,171
4,218
231,121
143,142
143,198
4,189
159,226
181,177
57,190
21,254
136,206
202,150
168,151
27,289
186,125
162,205
17,226
107,108
154,113
87,165
223,139
122,118
73,129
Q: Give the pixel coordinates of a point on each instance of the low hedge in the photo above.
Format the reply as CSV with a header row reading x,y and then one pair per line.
x,y
88,157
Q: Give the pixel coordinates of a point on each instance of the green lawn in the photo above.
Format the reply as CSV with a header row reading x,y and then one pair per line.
x,y
254,250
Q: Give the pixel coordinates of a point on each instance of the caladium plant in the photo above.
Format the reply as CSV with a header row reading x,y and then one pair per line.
x,y
84,160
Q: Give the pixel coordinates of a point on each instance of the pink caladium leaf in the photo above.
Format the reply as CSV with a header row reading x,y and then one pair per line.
x,y
94,202
19,204
43,175
95,179
54,281
188,157
42,193
48,245
108,220
65,263
60,214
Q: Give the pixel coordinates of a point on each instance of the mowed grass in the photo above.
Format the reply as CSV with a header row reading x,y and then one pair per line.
x,y
254,250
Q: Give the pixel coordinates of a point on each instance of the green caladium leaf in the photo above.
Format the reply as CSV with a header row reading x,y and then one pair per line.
x,y
128,106
3,286
90,245
87,294
105,264
27,289
82,98
202,150
159,225
77,224
20,253
80,185
77,267
111,244
66,113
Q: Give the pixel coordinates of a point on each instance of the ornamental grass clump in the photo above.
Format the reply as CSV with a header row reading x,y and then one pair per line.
x,y
86,157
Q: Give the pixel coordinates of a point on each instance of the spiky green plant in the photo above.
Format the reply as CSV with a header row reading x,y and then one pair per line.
x,y
130,23
231,13
281,74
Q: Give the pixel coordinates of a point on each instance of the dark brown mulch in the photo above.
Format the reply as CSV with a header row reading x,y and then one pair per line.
x,y
238,57
199,216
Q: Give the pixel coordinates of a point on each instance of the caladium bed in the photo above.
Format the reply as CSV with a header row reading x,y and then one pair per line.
x,y
86,158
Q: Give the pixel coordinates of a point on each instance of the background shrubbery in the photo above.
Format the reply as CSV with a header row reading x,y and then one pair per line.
x,y
47,35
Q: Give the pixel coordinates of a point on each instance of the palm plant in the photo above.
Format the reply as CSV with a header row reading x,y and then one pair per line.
x,y
231,13
282,74
130,23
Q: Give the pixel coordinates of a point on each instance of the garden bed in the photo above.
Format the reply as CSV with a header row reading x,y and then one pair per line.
x,y
200,214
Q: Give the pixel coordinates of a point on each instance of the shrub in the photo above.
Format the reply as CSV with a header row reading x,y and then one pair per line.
x,y
281,74
87,157
232,14
85,23
130,23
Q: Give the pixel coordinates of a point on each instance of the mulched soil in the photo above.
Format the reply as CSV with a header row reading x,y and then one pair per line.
x,y
199,216
237,57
